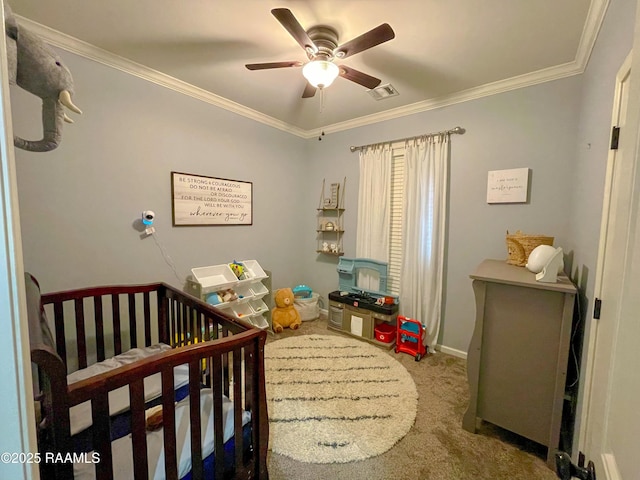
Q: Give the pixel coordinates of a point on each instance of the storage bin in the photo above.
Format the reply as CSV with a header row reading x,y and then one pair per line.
x,y
258,306
242,310
385,333
253,270
214,278
244,293
259,321
259,290
308,308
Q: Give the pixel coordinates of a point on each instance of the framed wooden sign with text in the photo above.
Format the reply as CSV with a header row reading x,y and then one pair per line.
x,y
200,200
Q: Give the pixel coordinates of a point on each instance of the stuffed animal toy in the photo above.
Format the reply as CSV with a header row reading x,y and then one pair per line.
x,y
36,68
238,269
284,313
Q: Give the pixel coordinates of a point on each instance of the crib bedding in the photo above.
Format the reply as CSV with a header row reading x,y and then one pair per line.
x,y
122,447
80,415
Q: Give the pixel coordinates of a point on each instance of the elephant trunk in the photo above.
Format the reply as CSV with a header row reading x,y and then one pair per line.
x,y
52,118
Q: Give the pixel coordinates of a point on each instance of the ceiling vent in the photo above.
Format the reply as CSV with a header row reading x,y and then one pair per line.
x,y
383,91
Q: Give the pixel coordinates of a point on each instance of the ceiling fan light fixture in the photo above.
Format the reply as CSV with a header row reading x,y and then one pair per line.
x,y
320,73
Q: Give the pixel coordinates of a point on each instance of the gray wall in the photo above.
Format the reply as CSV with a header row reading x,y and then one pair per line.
x,y
532,127
78,203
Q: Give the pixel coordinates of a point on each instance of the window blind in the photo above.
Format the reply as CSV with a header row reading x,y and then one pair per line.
x,y
395,240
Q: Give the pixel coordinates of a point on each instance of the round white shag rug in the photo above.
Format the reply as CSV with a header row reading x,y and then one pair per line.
x,y
335,399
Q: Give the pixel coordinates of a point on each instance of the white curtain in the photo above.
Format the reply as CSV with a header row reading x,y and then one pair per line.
x,y
372,237
424,222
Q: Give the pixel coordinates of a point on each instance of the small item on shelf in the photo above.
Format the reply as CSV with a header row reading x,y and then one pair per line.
x,y
325,246
302,291
213,298
334,248
329,227
520,245
228,295
238,269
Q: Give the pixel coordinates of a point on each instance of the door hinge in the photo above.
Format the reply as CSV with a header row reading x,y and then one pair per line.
x,y
597,306
615,137
567,470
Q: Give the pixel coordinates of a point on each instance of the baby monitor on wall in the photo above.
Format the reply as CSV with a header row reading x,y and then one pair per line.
x,y
148,216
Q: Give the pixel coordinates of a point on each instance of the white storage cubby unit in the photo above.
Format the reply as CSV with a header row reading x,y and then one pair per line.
x,y
251,291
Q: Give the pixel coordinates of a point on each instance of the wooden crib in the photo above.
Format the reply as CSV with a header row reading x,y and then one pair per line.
x,y
223,359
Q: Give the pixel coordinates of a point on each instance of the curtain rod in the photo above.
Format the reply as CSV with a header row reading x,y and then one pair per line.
x,y
458,130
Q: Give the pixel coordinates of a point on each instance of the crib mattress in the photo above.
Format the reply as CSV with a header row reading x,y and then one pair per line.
x,y
80,415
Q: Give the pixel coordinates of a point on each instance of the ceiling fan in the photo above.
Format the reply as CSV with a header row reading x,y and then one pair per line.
x,y
321,45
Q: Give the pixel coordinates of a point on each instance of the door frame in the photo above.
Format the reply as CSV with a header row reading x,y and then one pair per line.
x,y
18,418
618,231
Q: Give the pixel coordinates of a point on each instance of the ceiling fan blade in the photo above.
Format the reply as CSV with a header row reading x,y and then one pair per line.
x,y
359,77
264,66
380,34
309,90
291,25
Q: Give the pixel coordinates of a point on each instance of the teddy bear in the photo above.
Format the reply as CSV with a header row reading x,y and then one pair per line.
x,y
284,314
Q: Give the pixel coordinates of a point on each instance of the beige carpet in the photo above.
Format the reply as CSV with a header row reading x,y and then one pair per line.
x,y
436,447
335,399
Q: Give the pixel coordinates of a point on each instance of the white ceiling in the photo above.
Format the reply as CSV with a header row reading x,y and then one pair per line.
x,y
445,51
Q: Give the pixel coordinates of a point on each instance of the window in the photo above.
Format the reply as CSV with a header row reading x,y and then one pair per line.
x,y
395,233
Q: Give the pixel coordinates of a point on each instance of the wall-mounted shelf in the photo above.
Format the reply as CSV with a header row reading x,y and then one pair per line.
x,y
330,220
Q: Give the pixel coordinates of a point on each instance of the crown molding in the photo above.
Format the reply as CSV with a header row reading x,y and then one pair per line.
x,y
595,17
487,90
91,52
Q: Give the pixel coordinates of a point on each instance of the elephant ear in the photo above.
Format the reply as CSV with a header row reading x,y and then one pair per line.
x,y
10,23
11,30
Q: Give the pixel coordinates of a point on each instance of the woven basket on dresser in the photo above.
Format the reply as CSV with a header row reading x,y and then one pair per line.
x,y
520,245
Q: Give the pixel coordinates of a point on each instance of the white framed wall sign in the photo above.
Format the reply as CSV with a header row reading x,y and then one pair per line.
x,y
200,200
508,186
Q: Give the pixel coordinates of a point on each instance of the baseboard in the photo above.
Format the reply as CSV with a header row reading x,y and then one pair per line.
x,y
451,351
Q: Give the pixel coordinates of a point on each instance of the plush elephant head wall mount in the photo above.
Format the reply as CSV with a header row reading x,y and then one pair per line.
x,y
36,68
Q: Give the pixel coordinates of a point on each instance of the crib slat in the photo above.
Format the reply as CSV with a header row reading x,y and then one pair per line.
x,y
58,315
138,430
147,319
80,340
133,333
174,324
217,416
117,341
98,315
178,325
237,404
225,374
169,424
163,316
194,412
102,436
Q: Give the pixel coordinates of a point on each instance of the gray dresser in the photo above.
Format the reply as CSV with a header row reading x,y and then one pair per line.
x,y
517,359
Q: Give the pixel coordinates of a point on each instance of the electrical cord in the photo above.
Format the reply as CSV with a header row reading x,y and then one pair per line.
x,y
166,256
